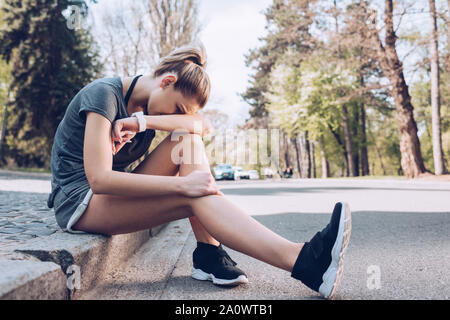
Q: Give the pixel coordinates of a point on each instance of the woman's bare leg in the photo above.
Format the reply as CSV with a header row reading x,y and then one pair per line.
x,y
233,227
241,232
221,218
159,162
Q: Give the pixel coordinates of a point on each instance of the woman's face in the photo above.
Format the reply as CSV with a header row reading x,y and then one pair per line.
x,y
166,100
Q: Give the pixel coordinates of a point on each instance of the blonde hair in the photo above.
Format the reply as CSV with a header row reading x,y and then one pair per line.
x,y
189,63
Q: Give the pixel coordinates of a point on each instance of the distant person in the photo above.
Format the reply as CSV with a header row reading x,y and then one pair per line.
x,y
111,122
290,172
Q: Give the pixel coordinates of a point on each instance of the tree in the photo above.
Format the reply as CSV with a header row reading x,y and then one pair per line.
x,y
176,22
50,63
411,161
359,53
5,93
294,141
345,117
448,35
438,156
324,162
125,37
136,34
288,24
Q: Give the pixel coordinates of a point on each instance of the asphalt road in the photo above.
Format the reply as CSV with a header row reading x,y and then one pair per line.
x,y
399,248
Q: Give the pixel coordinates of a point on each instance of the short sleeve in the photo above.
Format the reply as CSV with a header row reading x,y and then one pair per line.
x,y
99,98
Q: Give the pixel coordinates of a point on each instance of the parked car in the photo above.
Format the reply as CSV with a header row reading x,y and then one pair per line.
x,y
223,172
239,173
253,175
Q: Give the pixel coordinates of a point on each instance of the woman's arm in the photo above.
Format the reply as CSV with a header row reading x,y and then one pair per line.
x,y
102,179
189,123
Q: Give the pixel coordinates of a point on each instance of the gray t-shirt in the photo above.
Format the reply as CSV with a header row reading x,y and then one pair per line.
x,y
69,182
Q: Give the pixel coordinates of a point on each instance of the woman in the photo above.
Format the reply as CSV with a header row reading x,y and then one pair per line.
x,y
91,192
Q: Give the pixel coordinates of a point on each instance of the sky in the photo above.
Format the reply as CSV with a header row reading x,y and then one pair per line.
x,y
230,28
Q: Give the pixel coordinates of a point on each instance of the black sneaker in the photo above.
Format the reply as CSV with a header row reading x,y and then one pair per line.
x,y
214,264
320,262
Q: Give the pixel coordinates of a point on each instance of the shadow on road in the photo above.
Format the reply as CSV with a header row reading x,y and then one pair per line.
x,y
264,191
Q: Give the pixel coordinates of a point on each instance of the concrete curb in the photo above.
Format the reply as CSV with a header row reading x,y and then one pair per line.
x,y
63,265
28,279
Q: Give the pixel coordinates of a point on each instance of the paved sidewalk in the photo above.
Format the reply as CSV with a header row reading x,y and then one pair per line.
x,y
24,213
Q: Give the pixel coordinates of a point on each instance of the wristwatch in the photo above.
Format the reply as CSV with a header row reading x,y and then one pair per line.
x,y
142,123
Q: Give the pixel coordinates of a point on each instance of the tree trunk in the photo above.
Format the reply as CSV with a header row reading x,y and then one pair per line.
x,y
355,146
286,150
348,142
313,160
448,35
308,155
297,155
411,157
340,143
438,155
364,154
4,124
325,165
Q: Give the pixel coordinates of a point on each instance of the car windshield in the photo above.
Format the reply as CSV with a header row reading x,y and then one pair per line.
x,y
223,166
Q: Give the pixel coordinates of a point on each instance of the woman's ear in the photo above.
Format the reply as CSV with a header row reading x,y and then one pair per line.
x,y
168,80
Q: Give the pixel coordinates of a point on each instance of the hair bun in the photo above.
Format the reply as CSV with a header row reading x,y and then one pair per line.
x,y
198,55
199,64
195,61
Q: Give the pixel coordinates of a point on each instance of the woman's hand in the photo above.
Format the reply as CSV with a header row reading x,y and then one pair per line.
x,y
199,184
122,131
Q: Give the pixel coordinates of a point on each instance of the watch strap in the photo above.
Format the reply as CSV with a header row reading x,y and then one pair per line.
x,y
141,120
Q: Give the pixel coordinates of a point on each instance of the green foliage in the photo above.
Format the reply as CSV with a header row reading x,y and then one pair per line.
x,y
421,98
308,98
288,25
50,63
5,78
